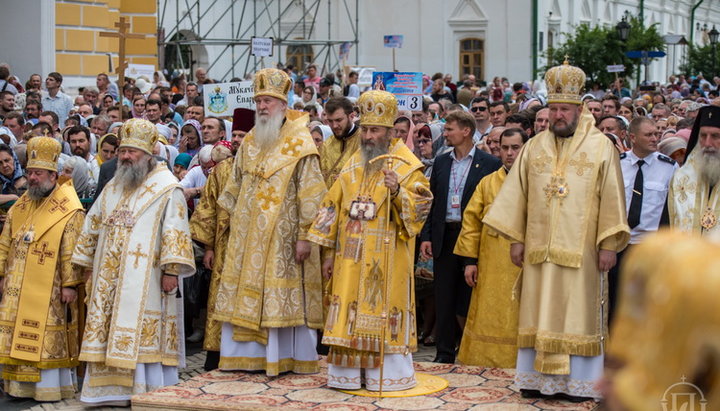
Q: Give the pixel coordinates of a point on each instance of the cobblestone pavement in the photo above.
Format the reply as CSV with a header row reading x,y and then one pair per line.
x,y
195,362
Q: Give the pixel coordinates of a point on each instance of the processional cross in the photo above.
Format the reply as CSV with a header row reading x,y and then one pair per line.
x,y
122,35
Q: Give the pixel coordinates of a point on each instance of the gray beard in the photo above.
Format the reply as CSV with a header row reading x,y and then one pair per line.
x,y
40,191
131,176
709,167
369,152
267,130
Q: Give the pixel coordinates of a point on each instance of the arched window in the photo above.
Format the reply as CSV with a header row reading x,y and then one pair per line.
x,y
299,56
471,57
178,56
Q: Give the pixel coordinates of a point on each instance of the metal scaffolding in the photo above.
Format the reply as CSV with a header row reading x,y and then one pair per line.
x,y
252,18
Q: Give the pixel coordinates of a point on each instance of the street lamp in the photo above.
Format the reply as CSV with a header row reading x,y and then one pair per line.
x,y
623,29
713,35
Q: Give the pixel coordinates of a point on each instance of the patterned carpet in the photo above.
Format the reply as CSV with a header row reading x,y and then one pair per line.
x,y
472,388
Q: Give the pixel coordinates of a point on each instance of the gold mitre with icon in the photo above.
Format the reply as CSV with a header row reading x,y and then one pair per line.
x,y
377,108
565,84
43,152
272,82
140,134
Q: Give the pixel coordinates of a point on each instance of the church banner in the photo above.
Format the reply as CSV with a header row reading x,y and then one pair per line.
x,y
406,86
221,99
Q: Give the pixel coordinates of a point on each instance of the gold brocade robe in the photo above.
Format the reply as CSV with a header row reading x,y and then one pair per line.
x,y
335,152
59,341
353,326
490,336
210,225
130,239
694,206
564,199
272,197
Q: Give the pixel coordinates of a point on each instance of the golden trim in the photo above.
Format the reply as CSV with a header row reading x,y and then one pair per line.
x,y
271,368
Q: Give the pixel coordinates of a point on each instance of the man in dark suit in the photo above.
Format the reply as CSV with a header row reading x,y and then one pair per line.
x,y
452,182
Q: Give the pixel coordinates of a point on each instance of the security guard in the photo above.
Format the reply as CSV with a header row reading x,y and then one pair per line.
x,y
646,174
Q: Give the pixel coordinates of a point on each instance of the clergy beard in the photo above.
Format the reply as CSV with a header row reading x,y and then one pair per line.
x,y
565,130
131,175
370,150
267,129
709,166
40,191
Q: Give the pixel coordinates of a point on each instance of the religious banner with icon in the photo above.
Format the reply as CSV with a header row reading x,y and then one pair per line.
x,y
406,86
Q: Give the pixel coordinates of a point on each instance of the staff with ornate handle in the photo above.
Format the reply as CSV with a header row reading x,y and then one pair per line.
x,y
386,280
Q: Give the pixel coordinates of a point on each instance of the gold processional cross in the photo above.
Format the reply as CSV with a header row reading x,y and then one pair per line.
x,y
122,35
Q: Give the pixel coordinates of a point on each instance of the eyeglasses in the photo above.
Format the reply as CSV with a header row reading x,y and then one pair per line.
x,y
424,141
476,109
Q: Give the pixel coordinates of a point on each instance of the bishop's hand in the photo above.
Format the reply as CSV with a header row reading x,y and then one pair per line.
x,y
169,283
68,295
327,268
391,180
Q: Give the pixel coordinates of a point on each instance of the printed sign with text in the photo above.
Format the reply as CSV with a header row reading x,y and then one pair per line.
x,y
221,99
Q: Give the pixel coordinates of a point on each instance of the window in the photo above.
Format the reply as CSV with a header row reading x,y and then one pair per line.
x,y
299,56
471,57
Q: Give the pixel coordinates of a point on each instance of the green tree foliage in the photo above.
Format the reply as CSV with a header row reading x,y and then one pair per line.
x,y
594,48
699,61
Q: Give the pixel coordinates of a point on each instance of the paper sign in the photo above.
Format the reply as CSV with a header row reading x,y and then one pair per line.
x,y
221,99
137,70
617,68
393,41
406,86
365,75
262,46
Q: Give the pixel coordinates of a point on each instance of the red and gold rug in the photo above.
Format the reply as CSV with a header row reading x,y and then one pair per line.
x,y
470,388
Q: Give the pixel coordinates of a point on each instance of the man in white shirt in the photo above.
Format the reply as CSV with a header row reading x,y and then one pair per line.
x,y
55,100
646,175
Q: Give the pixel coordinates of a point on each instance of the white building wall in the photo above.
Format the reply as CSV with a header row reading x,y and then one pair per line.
x,y
434,28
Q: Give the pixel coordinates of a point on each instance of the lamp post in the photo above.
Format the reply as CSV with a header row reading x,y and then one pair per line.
x,y
713,35
623,31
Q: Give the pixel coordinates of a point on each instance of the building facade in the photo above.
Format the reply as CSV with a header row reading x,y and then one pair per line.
x,y
487,38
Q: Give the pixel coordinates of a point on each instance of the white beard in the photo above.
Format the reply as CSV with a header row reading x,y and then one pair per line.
x,y
267,130
131,176
709,167
369,152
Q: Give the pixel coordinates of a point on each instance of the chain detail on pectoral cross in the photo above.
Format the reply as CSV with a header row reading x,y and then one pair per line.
x,y
581,164
137,254
41,251
59,205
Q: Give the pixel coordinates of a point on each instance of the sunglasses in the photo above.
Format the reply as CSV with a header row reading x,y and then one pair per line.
x,y
424,141
476,109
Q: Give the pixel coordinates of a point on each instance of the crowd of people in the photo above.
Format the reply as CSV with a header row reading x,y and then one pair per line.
x,y
490,223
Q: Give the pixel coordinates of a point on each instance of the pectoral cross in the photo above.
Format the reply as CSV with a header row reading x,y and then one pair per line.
x,y
58,205
137,254
42,252
122,35
581,164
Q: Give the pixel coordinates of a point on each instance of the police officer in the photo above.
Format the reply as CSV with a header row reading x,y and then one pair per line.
x,y
646,174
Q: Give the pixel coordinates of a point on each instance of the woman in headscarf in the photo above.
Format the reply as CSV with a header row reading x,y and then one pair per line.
x,y
320,133
138,107
190,137
404,130
12,177
76,168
